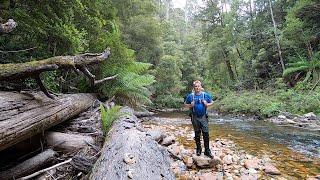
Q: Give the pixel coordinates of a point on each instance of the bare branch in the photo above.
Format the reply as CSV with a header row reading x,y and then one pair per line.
x,y
22,50
97,82
44,170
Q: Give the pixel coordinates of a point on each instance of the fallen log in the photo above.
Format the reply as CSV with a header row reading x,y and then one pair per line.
x,y
22,116
29,166
67,142
130,153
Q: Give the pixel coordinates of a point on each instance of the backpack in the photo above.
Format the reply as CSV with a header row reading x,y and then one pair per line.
x,y
192,110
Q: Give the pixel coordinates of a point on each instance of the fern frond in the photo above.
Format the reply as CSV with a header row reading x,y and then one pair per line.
x,y
292,70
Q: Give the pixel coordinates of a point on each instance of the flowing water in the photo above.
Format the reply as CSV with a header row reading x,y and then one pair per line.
x,y
295,151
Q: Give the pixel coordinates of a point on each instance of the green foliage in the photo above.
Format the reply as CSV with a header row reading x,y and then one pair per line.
x,y
131,85
108,116
304,65
50,81
169,101
260,102
168,76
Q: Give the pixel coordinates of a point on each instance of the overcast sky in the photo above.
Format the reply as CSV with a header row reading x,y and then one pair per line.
x,y
179,3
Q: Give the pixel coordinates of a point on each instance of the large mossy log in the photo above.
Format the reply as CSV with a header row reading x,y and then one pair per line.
x,y
22,116
27,69
129,153
33,69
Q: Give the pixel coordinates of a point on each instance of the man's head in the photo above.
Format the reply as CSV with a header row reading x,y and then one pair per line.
x,y
197,87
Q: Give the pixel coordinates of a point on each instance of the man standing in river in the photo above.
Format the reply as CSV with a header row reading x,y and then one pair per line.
x,y
198,102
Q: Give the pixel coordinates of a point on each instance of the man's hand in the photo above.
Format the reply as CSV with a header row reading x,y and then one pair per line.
x,y
192,104
206,103
189,105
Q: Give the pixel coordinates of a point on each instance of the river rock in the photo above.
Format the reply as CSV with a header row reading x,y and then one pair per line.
x,y
206,162
289,121
174,149
156,135
249,176
271,169
282,117
188,161
310,116
227,159
252,171
314,177
252,163
210,176
168,140
287,115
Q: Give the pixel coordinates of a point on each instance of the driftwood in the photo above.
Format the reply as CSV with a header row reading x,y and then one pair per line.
x,y
67,142
22,117
33,69
45,170
8,26
141,114
130,153
29,165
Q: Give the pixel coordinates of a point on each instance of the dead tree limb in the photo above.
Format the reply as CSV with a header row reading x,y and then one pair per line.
x,y
34,69
29,166
22,117
44,170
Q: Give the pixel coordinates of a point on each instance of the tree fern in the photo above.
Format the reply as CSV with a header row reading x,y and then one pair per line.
x,y
133,90
108,116
131,85
310,67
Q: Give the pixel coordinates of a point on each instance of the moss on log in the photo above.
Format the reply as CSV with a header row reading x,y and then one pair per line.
x,y
27,69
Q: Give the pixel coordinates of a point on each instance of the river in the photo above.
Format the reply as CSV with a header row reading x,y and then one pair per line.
x,y
295,151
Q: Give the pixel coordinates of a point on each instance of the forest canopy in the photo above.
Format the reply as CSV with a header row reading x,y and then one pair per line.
x,y
236,47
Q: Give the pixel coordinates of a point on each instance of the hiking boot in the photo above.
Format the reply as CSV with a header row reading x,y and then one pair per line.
x,y
198,152
207,151
198,142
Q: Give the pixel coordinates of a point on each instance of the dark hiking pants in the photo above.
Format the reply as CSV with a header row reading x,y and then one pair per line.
x,y
200,123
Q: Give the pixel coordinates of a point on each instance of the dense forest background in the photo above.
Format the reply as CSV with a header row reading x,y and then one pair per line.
x,y
256,56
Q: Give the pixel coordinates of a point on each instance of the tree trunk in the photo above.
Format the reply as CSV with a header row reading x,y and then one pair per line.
x,y
276,36
228,64
23,116
130,153
29,166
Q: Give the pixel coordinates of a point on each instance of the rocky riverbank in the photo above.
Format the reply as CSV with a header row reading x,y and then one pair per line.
x,y
230,161
307,121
